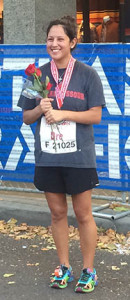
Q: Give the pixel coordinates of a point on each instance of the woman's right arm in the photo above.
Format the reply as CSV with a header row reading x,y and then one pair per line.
x,y
32,115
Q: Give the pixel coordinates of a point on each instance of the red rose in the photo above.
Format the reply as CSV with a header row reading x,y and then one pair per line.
x,y
49,85
38,72
30,70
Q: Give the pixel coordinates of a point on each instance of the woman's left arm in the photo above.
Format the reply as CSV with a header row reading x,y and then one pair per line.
x,y
91,116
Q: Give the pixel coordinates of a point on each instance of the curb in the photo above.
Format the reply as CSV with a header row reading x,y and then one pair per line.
x,y
37,213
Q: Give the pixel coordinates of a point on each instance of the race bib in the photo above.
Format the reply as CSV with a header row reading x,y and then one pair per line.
x,y
58,137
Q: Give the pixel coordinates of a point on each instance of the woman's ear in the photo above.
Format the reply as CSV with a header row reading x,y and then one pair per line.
x,y
73,43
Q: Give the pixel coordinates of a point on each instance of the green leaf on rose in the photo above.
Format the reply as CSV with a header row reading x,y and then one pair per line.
x,y
45,93
47,80
37,85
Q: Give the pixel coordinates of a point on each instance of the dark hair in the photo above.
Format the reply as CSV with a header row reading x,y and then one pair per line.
x,y
69,25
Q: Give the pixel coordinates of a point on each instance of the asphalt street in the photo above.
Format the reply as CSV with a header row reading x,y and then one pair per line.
x,y
31,268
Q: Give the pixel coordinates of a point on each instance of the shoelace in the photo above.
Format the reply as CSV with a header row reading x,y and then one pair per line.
x,y
85,276
63,269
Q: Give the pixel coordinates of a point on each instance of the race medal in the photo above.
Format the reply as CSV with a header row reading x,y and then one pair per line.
x,y
59,137
61,88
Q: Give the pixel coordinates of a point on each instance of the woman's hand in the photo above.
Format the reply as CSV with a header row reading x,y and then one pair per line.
x,y
53,116
45,104
91,116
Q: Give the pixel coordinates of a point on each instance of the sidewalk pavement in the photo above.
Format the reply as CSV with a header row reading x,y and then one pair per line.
x,y
32,209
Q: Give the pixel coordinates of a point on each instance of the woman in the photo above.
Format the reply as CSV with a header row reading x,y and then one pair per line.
x,y
65,160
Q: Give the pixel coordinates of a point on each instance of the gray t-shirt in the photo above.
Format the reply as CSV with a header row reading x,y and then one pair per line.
x,y
84,92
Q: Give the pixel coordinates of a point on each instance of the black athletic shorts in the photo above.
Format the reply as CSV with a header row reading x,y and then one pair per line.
x,y
65,180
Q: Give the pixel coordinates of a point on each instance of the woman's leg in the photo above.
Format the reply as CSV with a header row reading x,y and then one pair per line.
x,y
87,227
58,207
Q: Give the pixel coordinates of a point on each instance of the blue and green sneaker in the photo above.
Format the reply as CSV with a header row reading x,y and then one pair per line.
x,y
62,276
87,281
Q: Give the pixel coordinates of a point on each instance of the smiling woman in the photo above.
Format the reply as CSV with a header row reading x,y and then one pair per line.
x,y
65,154
60,43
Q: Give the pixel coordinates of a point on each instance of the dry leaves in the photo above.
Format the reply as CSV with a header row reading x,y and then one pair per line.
x,y
107,239
119,207
112,240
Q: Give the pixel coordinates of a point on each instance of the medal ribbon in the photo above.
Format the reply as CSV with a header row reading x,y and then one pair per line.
x,y
61,91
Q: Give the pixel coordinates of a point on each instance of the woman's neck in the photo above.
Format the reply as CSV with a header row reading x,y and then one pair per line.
x,y
63,63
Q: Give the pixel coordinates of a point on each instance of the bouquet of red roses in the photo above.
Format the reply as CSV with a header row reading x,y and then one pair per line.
x,y
36,88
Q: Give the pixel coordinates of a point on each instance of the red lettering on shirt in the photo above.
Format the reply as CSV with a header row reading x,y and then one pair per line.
x,y
71,94
67,94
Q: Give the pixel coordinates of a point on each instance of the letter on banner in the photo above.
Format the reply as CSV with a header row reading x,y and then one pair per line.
x,y
17,88
113,151
111,103
16,64
14,156
127,146
29,139
43,61
128,67
99,149
17,149
0,141
127,100
127,91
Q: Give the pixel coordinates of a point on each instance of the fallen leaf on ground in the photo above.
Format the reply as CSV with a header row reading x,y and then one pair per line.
x,y
115,268
102,262
12,221
124,263
32,265
128,234
8,275
11,282
44,249
51,247
111,247
121,208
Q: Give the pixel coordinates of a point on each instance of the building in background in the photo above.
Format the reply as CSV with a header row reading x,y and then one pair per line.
x,y
98,20
127,21
25,21
109,21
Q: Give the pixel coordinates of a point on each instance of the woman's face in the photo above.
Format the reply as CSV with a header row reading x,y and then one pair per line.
x,y
59,45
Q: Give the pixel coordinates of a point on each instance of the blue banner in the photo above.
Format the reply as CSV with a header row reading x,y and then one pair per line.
x,y
112,136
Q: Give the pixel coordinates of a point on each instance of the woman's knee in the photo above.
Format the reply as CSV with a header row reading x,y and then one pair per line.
x,y
58,213
58,206
83,216
82,206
